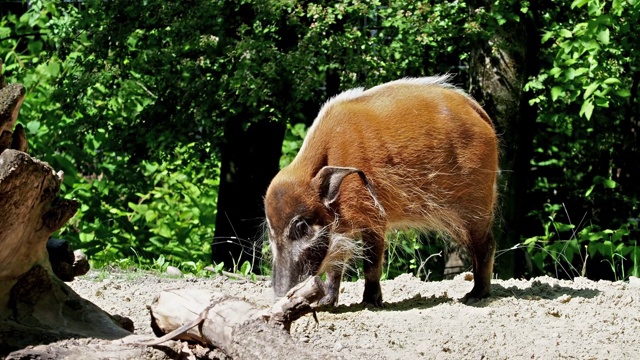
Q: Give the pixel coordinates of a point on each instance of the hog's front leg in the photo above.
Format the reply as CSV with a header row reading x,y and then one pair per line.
x,y
332,287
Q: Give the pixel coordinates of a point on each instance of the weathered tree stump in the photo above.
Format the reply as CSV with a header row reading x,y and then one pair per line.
x,y
35,305
237,327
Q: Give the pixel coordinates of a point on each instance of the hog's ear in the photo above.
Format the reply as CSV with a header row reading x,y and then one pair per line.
x,y
329,179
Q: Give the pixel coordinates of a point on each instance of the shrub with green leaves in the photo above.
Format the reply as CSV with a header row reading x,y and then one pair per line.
x,y
587,154
160,209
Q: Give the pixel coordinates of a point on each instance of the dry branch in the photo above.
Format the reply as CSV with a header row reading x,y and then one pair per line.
x,y
237,327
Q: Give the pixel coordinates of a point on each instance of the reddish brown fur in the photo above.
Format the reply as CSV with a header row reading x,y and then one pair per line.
x,y
430,154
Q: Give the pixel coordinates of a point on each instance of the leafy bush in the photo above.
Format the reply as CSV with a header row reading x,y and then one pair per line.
x,y
163,208
174,218
587,151
566,251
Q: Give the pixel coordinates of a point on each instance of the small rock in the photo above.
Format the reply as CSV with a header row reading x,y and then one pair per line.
x,y
80,263
564,298
466,276
553,312
173,271
124,322
338,346
304,339
634,281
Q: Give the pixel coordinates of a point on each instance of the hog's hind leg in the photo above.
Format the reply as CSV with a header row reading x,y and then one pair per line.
x,y
373,260
482,249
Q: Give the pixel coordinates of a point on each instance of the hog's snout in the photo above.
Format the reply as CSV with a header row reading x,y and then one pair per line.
x,y
285,276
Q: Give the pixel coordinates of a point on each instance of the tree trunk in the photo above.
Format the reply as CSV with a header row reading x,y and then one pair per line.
x,y
499,69
250,159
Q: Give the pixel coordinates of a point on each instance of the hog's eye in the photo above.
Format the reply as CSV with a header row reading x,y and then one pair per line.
x,y
299,229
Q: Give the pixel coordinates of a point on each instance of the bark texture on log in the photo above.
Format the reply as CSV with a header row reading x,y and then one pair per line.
x,y
32,212
92,349
42,309
237,327
11,97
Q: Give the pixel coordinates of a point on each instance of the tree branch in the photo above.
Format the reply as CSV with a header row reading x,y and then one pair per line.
x,y
19,36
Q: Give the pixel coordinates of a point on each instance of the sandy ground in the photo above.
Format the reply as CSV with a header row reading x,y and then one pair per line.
x,y
543,318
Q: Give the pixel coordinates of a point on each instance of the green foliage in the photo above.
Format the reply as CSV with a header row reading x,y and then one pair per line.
x,y
565,251
292,143
586,148
152,209
174,218
412,252
137,265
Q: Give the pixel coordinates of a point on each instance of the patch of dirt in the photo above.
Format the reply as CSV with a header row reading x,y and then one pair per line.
x,y
542,318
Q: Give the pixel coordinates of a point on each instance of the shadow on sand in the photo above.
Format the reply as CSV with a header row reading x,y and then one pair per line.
x,y
536,290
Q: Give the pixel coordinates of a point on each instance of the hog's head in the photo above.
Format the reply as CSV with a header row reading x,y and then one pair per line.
x,y
301,220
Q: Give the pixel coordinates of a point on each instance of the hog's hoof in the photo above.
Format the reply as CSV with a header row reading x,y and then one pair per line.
x,y
329,300
474,296
372,296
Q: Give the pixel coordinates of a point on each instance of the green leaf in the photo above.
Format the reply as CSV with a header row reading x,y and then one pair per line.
x,y
86,237
53,68
602,102
33,127
594,8
565,33
603,36
587,109
164,231
160,260
555,71
617,5
589,191
578,3
548,35
150,215
4,31
564,227
580,71
625,93
590,89
245,269
35,47
556,92
609,184
612,81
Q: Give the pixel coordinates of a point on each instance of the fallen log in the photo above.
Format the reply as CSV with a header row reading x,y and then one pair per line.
x,y
235,326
